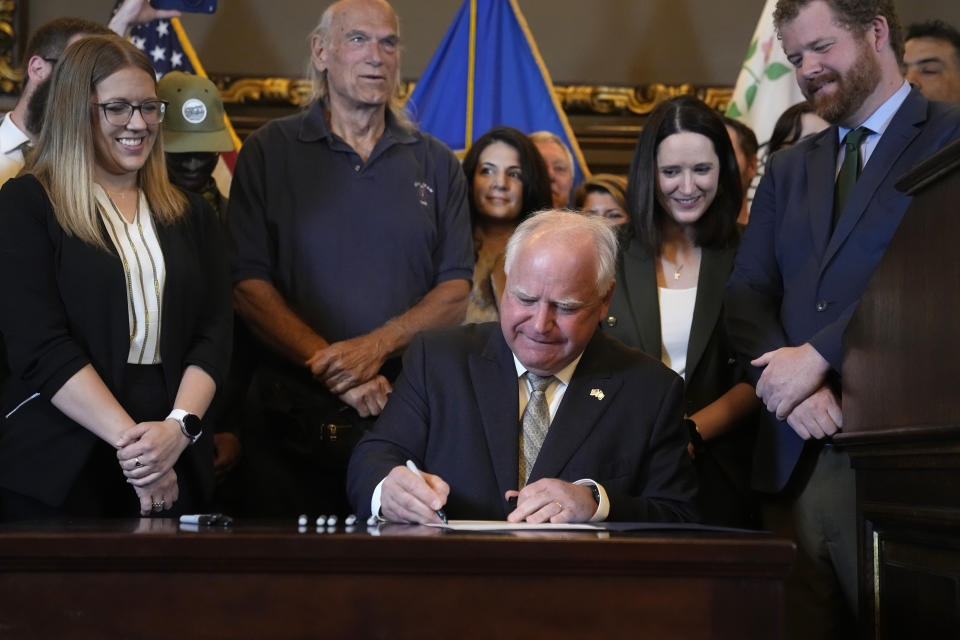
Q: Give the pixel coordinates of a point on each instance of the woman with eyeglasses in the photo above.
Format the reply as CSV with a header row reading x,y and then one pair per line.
x,y
114,304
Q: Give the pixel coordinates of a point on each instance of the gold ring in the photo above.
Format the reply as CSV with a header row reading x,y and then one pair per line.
x,y
559,505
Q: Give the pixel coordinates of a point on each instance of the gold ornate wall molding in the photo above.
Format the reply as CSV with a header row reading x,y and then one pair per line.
x,y
605,119
9,33
292,91
580,99
607,100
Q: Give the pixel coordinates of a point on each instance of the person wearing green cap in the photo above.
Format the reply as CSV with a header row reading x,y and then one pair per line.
x,y
194,135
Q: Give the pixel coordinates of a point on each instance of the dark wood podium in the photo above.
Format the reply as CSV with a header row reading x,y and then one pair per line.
x,y
901,406
273,580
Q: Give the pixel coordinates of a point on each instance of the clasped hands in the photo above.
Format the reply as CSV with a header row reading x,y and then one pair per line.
x,y
791,386
406,498
147,452
349,369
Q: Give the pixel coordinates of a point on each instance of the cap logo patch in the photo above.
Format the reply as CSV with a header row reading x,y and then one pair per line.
x,y
194,111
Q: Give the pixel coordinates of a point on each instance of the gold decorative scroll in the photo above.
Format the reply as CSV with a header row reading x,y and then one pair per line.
x,y
293,91
9,76
587,99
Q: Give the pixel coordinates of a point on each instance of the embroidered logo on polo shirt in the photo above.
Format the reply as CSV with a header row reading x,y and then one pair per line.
x,y
422,190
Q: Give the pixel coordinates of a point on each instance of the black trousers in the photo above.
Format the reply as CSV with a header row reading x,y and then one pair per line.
x,y
297,441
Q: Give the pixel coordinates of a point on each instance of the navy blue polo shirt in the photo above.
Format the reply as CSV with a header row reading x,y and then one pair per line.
x,y
349,244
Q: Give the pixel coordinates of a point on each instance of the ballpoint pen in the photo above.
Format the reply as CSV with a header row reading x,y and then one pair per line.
x,y
413,467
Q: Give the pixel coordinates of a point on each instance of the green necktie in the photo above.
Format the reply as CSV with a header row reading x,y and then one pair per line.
x,y
849,170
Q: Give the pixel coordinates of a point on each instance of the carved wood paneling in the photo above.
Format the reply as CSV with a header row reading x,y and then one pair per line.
x,y
591,99
605,119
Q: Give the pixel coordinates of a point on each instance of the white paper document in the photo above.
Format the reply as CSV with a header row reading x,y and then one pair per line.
x,y
502,525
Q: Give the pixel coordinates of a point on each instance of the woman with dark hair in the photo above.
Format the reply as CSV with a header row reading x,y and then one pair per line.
x,y
605,195
684,195
114,302
795,124
507,180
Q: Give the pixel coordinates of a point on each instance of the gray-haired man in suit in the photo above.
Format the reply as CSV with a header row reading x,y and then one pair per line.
x,y
541,407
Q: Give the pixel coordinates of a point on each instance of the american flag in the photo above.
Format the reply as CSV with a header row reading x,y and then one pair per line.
x,y
166,44
159,41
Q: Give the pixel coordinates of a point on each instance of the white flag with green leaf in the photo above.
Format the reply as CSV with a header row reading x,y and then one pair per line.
x,y
766,86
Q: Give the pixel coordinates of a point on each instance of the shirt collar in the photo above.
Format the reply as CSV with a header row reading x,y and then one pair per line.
x,y
11,137
880,119
564,375
315,126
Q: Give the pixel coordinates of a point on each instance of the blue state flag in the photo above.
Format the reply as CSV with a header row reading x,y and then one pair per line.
x,y
488,72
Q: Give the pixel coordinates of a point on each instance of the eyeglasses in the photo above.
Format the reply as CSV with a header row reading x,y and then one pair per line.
x,y
52,61
120,113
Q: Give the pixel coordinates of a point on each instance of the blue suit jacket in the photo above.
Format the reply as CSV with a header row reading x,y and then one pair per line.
x,y
793,282
455,412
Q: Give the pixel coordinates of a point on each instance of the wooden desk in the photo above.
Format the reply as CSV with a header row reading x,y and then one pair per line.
x,y
272,581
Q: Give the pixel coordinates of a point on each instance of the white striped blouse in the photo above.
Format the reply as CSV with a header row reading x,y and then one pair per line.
x,y
139,250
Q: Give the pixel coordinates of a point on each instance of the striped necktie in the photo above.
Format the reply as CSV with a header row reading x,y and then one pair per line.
x,y
536,422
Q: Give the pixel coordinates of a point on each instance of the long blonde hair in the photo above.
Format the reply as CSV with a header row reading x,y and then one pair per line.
x,y
65,155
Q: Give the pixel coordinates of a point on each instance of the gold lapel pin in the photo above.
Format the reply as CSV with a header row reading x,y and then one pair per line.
x,y
596,393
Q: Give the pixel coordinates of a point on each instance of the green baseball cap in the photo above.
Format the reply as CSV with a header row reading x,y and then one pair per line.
x,y
194,117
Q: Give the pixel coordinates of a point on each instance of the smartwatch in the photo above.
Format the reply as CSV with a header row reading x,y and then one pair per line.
x,y
594,491
190,424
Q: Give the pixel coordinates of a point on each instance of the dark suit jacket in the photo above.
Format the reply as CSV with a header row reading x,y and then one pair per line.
x,y
63,305
455,412
711,371
794,282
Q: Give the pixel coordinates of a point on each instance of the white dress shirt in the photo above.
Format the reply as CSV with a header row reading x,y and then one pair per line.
x,y
878,122
12,141
676,319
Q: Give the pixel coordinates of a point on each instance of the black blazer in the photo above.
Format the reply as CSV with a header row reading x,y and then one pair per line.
x,y
455,412
63,305
711,369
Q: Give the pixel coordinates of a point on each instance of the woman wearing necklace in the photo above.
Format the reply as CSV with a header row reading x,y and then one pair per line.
x,y
115,305
684,196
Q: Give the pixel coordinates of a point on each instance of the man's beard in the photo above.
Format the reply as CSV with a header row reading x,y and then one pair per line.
x,y
37,105
852,88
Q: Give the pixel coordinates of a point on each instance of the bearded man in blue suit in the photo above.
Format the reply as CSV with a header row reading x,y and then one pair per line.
x,y
821,221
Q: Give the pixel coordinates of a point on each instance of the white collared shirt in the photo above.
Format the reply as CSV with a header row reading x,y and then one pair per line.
x,y
878,122
555,390
12,140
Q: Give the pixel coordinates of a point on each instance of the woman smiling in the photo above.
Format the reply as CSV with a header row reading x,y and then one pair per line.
x,y
684,196
507,179
115,306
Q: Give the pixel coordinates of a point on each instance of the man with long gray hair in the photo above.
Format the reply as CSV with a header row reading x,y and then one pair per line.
x,y
352,233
